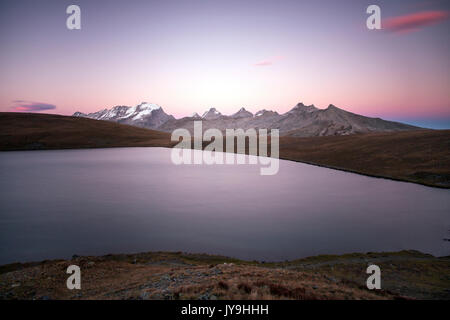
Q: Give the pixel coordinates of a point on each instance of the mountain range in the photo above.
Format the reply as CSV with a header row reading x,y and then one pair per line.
x,y
300,121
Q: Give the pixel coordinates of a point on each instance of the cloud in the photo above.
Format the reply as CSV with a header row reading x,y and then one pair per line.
x,y
28,106
268,62
415,21
263,63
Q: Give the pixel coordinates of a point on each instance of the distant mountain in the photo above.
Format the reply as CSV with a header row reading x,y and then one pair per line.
x,y
211,114
265,113
145,115
242,113
300,121
307,121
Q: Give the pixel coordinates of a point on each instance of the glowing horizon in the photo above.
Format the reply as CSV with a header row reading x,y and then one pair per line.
x,y
190,56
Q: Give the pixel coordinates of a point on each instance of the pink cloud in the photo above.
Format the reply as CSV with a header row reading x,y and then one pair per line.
x,y
263,63
268,62
414,21
27,106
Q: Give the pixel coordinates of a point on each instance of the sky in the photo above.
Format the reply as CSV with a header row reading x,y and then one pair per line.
x,y
189,56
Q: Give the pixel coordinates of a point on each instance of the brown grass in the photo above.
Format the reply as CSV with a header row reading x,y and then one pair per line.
x,y
166,275
420,156
29,131
223,285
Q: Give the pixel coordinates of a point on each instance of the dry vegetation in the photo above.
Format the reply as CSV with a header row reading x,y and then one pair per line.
x,y
176,275
30,131
420,156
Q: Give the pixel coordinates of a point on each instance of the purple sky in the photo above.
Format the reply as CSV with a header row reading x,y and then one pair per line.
x,y
188,56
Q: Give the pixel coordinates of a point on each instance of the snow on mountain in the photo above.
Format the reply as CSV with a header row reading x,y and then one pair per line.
x,y
140,111
266,113
302,120
143,115
211,114
242,113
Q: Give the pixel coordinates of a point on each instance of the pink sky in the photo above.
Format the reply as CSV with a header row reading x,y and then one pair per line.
x,y
252,54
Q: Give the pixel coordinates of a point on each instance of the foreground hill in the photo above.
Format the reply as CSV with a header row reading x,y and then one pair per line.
x,y
420,156
176,275
300,121
31,131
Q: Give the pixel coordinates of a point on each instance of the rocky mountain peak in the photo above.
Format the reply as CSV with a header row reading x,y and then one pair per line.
x,y
265,112
301,121
211,114
332,106
304,108
242,113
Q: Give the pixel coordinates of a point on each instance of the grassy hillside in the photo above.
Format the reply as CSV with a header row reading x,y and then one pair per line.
x,y
177,275
420,156
30,131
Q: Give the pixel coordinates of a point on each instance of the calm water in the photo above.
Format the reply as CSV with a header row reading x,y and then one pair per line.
x,y
54,204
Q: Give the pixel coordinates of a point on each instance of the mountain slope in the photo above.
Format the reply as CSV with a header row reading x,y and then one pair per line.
x,y
242,113
307,121
144,115
301,121
31,131
211,114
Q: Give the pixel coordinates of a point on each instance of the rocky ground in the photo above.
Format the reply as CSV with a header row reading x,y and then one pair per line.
x,y
176,275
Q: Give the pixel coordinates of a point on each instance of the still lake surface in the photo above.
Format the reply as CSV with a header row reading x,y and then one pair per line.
x,y
54,204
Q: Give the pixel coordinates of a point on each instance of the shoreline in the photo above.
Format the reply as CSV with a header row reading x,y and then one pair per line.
x,y
369,174
408,252
417,156
425,184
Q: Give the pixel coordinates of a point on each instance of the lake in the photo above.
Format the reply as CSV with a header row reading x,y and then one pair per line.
x,y
54,204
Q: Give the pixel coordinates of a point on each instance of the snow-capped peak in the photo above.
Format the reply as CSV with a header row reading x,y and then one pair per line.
x,y
260,112
212,113
147,106
242,113
211,110
141,110
305,108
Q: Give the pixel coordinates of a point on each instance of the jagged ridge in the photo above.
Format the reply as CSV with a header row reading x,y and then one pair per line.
x,y
301,121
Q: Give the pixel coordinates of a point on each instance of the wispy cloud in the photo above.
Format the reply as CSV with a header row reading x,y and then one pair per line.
x,y
268,62
263,63
414,21
28,106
